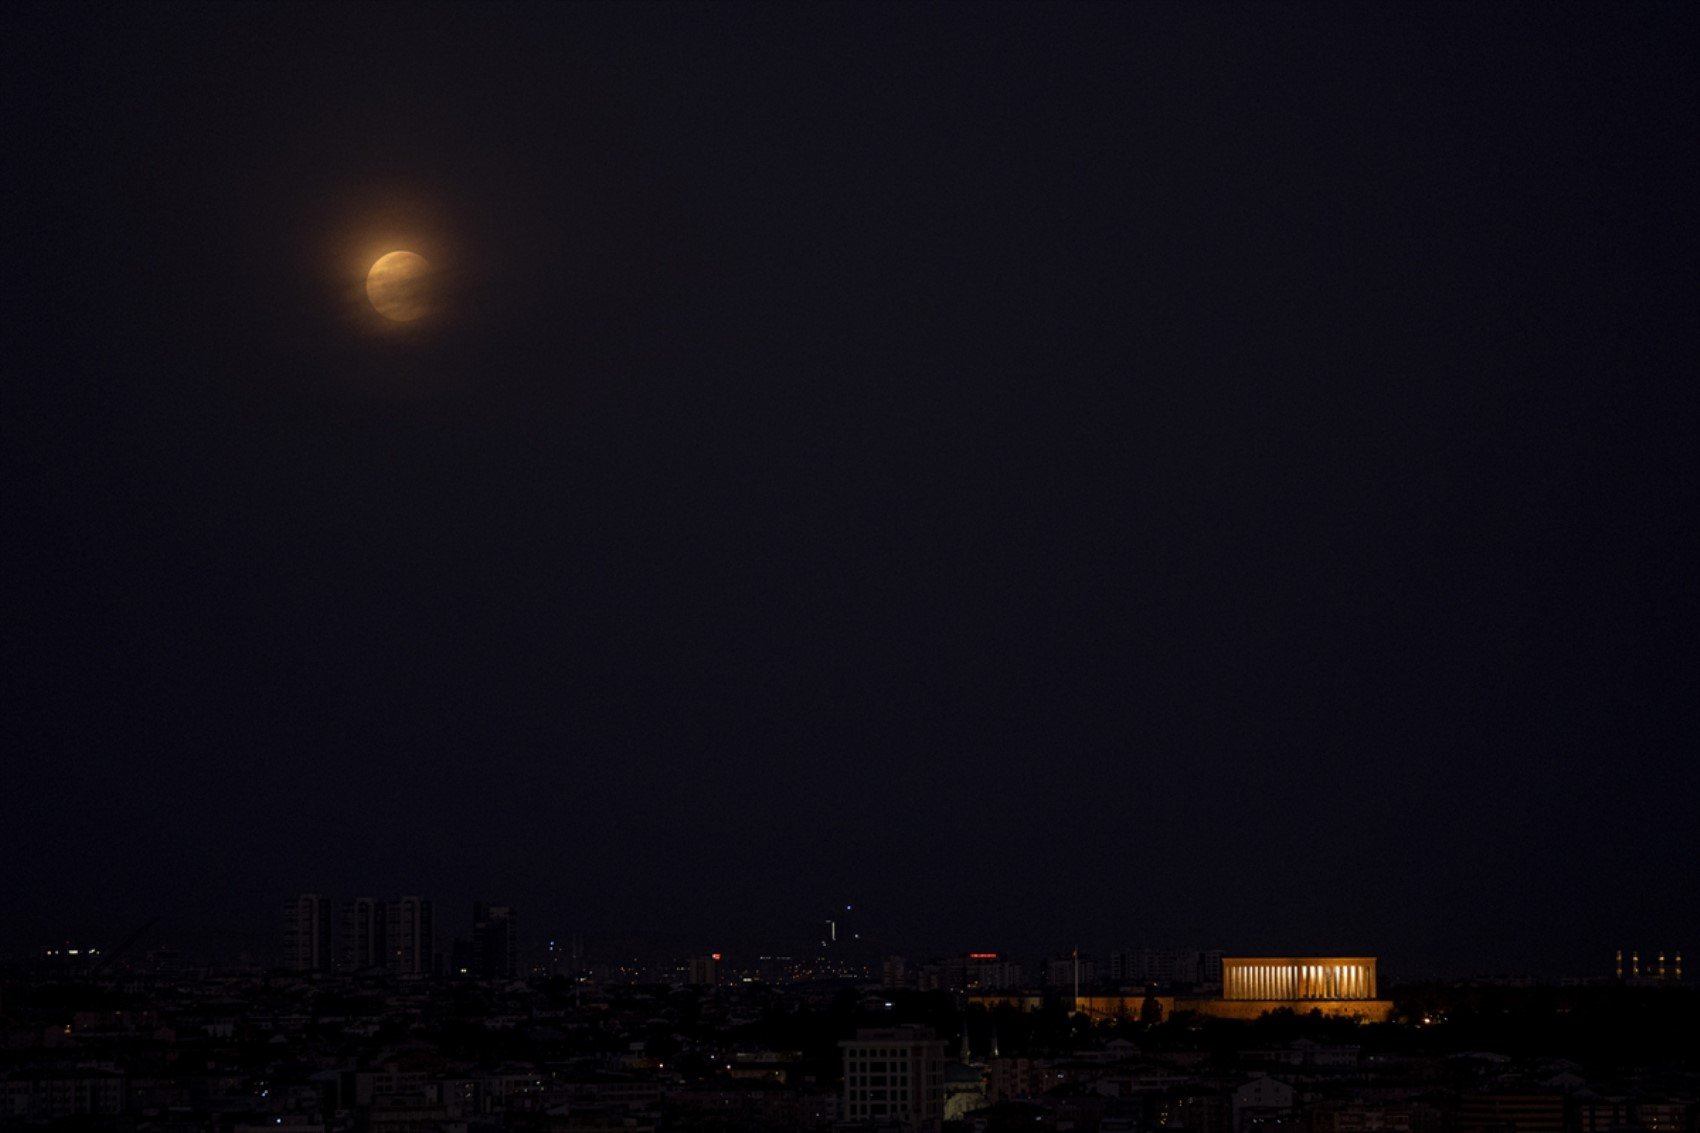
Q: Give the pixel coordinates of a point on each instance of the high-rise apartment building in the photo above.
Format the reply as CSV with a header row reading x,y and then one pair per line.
x,y
895,1075
410,936
495,941
364,932
307,933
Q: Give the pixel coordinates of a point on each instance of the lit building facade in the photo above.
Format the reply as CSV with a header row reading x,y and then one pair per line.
x,y
895,1075
1299,978
1333,985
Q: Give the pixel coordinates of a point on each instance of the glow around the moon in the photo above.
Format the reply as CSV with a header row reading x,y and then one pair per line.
x,y
398,286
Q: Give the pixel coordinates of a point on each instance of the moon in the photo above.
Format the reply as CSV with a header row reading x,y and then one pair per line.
x,y
399,286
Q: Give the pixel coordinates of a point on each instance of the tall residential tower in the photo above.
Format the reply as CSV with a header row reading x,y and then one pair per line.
x,y
410,936
307,933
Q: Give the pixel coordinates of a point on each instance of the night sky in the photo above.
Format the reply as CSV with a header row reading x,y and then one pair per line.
x,y
1047,474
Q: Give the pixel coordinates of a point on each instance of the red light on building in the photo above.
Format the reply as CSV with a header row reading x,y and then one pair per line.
x,y
715,957
982,955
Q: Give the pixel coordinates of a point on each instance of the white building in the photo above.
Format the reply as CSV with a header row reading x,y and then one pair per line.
x,y
895,1075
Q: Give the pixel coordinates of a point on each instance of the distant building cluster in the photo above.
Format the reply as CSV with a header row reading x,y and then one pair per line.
x,y
1166,967
996,971
397,935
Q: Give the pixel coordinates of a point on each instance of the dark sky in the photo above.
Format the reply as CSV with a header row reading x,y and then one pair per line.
x,y
1131,474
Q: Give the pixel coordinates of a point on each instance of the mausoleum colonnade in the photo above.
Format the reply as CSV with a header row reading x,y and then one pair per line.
x,y
1293,978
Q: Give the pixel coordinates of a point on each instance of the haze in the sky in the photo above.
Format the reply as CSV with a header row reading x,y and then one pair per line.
x,y
1052,475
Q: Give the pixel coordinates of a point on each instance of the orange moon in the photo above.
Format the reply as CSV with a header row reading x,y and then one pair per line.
x,y
398,286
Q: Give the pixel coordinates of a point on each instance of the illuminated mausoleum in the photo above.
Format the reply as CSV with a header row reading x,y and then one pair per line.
x,y
1333,985
1299,977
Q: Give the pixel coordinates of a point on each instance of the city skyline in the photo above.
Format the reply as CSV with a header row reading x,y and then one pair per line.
x,y
332,933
